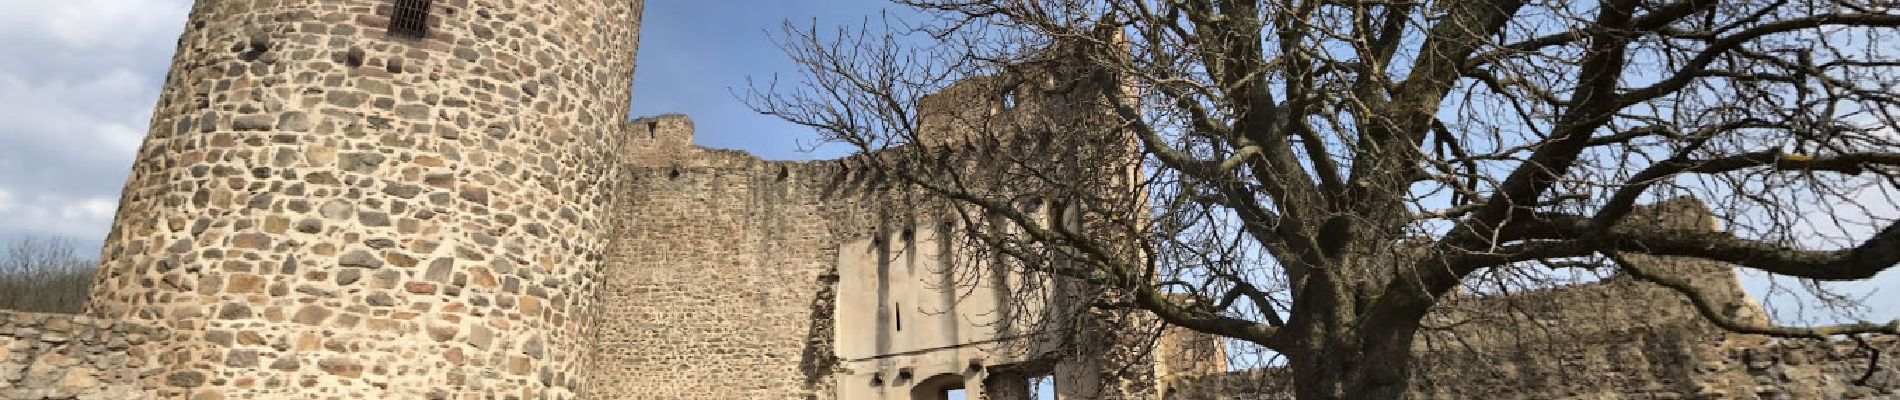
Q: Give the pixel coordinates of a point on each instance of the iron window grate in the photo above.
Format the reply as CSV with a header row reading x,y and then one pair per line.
x,y
410,18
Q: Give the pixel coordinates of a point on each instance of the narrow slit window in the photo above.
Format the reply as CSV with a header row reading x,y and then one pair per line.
x,y
410,18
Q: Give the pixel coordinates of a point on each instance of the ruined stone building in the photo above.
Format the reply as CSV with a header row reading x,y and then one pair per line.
x,y
445,199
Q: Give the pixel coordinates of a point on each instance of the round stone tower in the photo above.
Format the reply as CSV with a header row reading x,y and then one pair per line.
x,y
375,198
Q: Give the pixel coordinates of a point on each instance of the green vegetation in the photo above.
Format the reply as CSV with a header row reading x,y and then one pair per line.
x,y
43,274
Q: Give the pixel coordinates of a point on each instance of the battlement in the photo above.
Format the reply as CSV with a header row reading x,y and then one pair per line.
x,y
666,131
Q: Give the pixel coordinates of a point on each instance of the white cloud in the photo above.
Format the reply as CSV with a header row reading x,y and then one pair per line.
x,y
80,25
6,201
83,218
78,79
102,115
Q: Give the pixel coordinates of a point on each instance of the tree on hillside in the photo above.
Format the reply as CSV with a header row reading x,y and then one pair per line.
x,y
1316,175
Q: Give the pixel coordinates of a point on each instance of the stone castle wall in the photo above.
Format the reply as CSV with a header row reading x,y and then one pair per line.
x,y
327,209
374,216
730,277
724,282
1615,338
1644,365
53,356
718,287
1623,338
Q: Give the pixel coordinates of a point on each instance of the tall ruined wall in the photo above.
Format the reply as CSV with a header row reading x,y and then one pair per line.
x,y
734,277
55,356
323,208
725,279
719,286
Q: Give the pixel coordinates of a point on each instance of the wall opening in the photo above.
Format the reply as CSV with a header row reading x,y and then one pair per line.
x,y
410,18
1030,381
1043,387
940,387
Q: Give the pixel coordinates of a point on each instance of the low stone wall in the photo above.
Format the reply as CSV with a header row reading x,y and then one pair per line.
x,y
1753,367
1650,366
63,356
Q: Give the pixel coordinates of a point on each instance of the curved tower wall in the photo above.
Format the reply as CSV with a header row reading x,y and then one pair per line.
x,y
323,209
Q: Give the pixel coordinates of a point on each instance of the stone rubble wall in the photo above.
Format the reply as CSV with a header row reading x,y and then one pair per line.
x,y
716,284
721,274
1618,338
1613,339
323,209
60,356
1643,366
1802,369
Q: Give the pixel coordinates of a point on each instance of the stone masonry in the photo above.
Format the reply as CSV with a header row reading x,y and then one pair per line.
x,y
1618,338
734,277
48,356
445,199
363,214
1570,352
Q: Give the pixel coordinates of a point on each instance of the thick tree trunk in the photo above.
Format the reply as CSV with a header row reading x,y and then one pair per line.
x,y
1377,369
1355,341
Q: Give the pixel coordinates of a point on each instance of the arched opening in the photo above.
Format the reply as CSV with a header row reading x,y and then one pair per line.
x,y
940,387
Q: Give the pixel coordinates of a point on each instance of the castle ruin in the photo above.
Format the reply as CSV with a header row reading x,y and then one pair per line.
x,y
445,199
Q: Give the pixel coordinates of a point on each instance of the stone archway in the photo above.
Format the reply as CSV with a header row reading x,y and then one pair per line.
x,y
937,387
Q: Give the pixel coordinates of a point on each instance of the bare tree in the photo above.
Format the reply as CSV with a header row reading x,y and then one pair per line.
x,y
43,274
1316,175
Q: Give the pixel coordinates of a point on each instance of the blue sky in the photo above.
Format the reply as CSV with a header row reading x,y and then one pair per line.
x,y
695,57
78,79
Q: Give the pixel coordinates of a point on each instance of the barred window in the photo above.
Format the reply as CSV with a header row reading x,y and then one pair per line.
x,y
409,18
